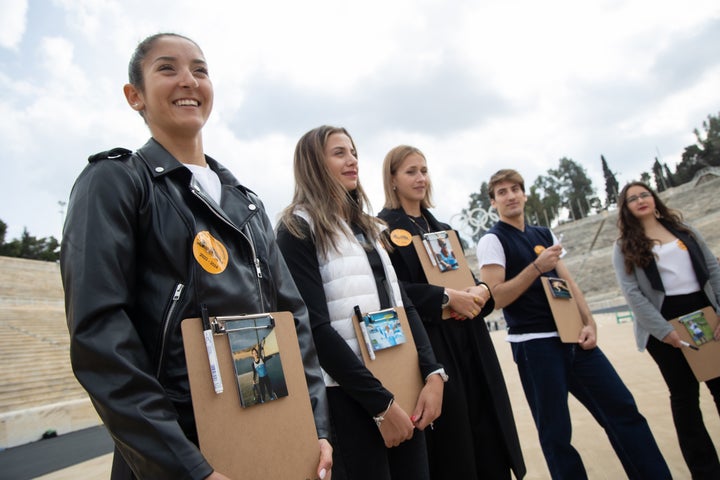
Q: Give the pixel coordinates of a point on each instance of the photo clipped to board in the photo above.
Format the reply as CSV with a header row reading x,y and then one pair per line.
x,y
697,326
256,358
559,288
383,329
440,251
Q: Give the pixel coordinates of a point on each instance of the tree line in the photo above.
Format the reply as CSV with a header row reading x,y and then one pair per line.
x,y
568,187
28,246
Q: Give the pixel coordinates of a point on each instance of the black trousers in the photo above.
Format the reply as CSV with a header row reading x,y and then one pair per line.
x,y
695,442
359,452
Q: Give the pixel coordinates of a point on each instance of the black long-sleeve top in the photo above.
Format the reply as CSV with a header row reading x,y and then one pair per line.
x,y
334,354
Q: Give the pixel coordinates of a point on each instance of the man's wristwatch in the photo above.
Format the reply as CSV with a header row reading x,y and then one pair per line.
x,y
445,299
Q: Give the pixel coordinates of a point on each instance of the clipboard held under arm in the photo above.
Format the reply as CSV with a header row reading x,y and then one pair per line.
x,y
705,361
564,309
396,367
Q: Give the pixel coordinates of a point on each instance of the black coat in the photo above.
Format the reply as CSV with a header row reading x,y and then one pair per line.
x,y
143,248
475,437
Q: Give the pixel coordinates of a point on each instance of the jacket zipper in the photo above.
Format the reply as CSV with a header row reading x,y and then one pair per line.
x,y
166,323
256,261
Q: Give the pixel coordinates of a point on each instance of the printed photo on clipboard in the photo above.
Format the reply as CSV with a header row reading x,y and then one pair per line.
x,y
256,358
697,326
559,288
440,251
384,329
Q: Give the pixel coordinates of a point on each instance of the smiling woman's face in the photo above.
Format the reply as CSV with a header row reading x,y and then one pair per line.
x,y
341,160
177,95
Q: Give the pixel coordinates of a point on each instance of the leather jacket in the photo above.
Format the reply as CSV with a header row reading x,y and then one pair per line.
x,y
143,247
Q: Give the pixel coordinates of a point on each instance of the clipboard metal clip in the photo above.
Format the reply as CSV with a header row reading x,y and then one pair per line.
x,y
219,324
430,236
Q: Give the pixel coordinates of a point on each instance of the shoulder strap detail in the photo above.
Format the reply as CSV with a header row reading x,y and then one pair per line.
x,y
114,154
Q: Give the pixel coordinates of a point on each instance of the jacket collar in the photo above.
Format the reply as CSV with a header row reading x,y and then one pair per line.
x,y
160,162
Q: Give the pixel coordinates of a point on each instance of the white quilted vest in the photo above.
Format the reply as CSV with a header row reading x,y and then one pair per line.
x,y
348,281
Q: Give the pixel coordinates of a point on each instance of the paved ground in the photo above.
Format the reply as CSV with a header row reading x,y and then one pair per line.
x,y
637,369
57,454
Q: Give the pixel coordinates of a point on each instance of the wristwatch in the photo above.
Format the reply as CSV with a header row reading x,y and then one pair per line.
x,y
445,299
441,372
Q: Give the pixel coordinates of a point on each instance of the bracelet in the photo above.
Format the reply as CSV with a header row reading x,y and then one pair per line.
x,y
487,289
379,418
537,268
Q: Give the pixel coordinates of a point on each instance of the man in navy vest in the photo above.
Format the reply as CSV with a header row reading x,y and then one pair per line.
x,y
512,258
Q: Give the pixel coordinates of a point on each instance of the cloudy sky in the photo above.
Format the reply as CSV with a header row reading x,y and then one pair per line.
x,y
477,85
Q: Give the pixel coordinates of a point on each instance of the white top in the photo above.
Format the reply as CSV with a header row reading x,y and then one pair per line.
x,y
208,180
348,280
675,267
490,251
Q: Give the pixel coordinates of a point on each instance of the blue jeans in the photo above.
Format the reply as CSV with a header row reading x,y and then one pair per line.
x,y
549,369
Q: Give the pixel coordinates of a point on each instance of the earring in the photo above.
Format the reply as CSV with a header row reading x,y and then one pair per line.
x,y
394,188
657,214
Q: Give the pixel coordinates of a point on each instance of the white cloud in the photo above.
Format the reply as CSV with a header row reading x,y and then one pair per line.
x,y
12,22
476,85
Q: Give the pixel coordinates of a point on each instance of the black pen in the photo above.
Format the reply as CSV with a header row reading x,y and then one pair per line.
x,y
686,344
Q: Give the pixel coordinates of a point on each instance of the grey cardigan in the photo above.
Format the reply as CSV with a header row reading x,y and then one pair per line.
x,y
646,301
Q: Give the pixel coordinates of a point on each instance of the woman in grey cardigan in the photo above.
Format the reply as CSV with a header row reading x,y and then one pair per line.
x,y
665,270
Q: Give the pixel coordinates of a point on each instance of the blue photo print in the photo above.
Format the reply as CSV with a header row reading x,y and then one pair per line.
x,y
384,329
256,358
697,326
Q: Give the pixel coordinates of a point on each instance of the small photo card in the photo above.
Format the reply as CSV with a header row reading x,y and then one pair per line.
x,y
559,288
440,250
256,358
384,329
697,326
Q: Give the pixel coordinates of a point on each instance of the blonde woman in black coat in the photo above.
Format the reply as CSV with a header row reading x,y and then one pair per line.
x,y
475,437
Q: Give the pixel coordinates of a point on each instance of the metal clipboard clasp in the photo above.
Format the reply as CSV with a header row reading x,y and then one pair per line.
x,y
219,324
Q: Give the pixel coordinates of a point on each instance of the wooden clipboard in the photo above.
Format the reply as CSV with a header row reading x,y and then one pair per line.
x,y
277,439
458,279
565,312
704,362
396,367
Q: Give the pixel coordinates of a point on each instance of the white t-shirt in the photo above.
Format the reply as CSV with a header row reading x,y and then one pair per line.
x,y
490,251
208,180
675,267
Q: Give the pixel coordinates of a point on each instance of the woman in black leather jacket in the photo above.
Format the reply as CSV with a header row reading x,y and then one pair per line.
x,y
151,236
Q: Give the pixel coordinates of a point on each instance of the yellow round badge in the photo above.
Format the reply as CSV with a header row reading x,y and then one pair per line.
x,y
681,245
539,249
400,237
210,253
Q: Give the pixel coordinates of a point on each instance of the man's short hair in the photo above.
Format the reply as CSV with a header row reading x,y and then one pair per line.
x,y
505,175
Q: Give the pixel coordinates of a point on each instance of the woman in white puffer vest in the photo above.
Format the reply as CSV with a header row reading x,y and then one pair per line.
x,y
335,253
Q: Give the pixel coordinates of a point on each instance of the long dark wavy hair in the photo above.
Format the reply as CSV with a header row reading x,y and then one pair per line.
x,y
635,245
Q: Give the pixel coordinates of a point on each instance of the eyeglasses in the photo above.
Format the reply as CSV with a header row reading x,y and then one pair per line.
x,y
634,198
